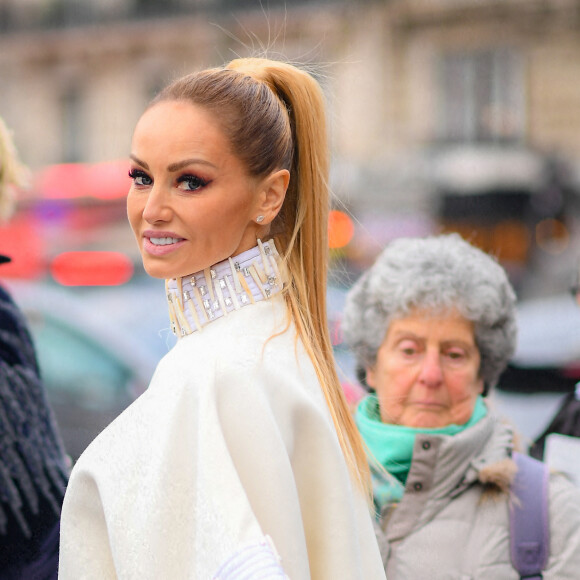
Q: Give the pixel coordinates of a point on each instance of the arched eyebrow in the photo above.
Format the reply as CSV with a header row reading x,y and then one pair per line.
x,y
401,335
181,164
138,161
406,334
460,343
173,167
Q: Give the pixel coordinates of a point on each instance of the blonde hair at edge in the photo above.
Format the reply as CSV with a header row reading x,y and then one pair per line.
x,y
13,173
287,130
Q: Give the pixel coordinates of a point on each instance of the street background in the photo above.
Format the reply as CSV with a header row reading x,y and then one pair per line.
x,y
445,115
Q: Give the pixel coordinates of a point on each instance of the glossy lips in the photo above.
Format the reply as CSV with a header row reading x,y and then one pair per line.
x,y
161,243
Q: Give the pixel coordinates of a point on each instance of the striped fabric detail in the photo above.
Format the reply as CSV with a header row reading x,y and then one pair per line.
x,y
258,561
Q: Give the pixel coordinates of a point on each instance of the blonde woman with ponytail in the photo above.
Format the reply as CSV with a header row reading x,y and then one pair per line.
x,y
241,460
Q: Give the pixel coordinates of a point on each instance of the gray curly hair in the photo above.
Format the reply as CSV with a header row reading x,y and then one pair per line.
x,y
434,273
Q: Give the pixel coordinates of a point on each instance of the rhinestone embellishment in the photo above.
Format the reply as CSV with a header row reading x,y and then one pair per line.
x,y
220,290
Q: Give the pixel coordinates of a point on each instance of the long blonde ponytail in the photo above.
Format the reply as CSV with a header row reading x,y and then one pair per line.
x,y
304,238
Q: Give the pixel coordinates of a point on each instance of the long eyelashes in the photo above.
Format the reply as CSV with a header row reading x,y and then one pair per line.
x,y
140,177
133,173
193,182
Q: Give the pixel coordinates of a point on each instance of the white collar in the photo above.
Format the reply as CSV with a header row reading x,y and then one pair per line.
x,y
196,300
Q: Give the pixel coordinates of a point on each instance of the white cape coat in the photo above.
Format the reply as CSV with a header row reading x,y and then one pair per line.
x,y
232,442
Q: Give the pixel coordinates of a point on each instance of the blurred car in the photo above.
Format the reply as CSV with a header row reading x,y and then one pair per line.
x,y
547,357
545,366
94,361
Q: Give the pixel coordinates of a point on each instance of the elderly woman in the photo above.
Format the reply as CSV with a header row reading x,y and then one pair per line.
x,y
432,325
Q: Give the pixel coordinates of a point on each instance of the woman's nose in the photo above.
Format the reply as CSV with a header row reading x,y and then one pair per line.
x,y
157,208
431,373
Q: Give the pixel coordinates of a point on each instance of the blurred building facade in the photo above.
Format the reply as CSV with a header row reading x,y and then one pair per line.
x,y
408,82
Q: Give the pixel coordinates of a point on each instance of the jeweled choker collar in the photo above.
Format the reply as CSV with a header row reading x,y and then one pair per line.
x,y
195,301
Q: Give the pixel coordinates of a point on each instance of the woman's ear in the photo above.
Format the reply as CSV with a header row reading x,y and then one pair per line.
x,y
370,377
272,193
482,388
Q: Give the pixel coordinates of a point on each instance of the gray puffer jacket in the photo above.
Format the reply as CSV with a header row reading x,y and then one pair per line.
x,y
452,523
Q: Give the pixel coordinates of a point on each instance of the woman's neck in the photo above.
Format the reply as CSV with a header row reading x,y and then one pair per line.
x,y
196,300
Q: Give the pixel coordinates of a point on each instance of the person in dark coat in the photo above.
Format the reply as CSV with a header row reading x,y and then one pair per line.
x,y
33,465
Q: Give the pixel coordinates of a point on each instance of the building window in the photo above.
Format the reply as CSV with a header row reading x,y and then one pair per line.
x,y
481,97
72,119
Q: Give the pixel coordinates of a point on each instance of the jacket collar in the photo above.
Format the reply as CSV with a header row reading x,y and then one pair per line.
x,y
473,455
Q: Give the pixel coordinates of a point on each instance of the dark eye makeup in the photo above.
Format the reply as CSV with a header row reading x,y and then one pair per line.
x,y
194,182
140,177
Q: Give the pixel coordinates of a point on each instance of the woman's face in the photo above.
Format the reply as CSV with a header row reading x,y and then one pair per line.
x,y
191,203
427,371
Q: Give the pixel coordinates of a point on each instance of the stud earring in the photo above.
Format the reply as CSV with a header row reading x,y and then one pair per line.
x,y
260,219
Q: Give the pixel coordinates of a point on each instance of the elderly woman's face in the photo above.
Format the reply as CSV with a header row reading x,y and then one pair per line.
x,y
427,371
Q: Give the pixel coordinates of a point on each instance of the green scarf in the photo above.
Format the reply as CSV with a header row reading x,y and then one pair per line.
x,y
392,446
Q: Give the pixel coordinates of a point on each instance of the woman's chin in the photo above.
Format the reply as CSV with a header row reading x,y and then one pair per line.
x,y
426,421
160,269
157,273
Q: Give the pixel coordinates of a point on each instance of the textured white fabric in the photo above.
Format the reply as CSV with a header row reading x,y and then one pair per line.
x,y
253,562
232,441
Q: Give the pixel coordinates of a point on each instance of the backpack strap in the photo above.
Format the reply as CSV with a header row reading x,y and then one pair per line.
x,y
529,519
